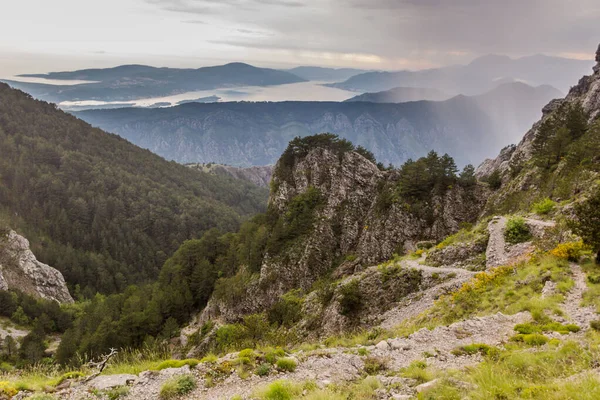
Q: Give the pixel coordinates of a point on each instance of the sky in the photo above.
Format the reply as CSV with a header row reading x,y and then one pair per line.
x,y
42,35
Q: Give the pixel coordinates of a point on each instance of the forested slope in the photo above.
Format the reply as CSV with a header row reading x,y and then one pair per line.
x,y
101,210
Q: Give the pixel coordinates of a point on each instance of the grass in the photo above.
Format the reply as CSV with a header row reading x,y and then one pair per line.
x,y
506,289
417,370
177,386
176,364
374,365
286,364
520,373
528,328
591,297
476,348
364,389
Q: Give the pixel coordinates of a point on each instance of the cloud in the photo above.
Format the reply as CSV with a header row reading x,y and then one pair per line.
x,y
195,21
432,31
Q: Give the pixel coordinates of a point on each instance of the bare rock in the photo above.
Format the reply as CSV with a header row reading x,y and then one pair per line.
x,y
426,386
104,382
19,269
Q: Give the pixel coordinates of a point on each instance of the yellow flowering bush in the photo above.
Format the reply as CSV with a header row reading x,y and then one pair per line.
x,y
7,388
571,251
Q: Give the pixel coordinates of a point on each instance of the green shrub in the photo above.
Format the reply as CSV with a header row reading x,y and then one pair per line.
x,y
417,370
595,325
279,390
543,207
362,351
494,180
288,310
209,358
116,392
271,354
529,328
532,339
177,386
475,348
177,364
373,365
263,369
351,299
286,364
516,231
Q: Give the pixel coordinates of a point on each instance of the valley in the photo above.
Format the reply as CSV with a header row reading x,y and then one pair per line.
x,y
386,207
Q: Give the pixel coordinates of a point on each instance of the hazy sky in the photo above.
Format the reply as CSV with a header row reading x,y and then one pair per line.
x,y
40,35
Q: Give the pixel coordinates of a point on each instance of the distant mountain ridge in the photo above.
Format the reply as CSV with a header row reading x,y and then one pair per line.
x,y
402,95
130,82
325,74
479,76
245,134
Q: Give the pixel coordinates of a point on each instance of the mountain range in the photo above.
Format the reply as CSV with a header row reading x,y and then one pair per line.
x,y
402,95
481,75
245,134
325,74
130,82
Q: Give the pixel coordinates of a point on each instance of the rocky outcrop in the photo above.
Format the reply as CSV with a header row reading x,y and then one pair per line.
x,y
19,269
354,226
258,175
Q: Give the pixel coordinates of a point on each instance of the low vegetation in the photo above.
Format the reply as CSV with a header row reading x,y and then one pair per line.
x,y
177,386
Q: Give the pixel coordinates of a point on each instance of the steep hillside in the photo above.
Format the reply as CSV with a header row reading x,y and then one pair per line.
x,y
479,76
557,158
101,210
245,134
129,82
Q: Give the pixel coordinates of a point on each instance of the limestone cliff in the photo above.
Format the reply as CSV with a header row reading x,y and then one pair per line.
x,y
354,225
19,269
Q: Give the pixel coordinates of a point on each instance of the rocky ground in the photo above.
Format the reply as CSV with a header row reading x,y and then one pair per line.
x,y
344,364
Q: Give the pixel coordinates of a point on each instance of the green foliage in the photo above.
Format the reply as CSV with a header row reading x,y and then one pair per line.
x,y
417,370
177,364
263,369
177,386
351,299
494,180
516,231
116,392
543,207
105,212
595,325
300,146
475,348
430,174
286,364
374,365
531,339
587,224
288,310
529,328
298,220
280,390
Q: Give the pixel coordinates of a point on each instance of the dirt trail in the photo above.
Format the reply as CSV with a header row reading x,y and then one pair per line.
x,y
575,313
416,303
497,252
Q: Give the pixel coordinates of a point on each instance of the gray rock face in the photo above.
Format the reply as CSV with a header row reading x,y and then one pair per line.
x,y
19,269
349,221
